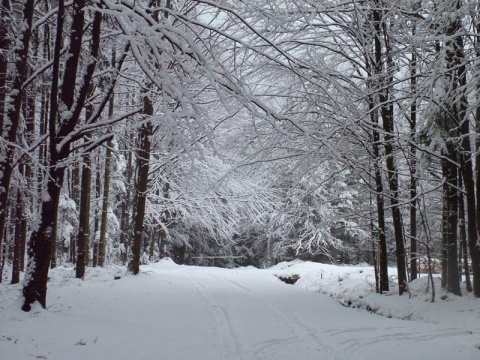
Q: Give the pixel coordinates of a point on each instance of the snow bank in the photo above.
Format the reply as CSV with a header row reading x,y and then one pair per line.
x,y
354,286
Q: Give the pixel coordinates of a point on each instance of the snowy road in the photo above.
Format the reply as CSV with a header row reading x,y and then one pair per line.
x,y
177,313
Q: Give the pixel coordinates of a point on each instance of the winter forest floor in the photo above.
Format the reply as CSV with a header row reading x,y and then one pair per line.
x,y
176,312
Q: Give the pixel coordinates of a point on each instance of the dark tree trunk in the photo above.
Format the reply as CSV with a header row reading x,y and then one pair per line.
x,y
23,243
18,247
44,105
40,247
467,173
463,235
382,240
126,206
468,283
413,167
35,288
43,129
451,199
181,252
83,245
4,44
398,227
163,244
153,241
102,245
143,166
95,254
67,95
413,230
106,195
13,112
27,164
39,252
84,223
386,110
445,229
457,74
98,258
379,194
72,249
375,264
475,256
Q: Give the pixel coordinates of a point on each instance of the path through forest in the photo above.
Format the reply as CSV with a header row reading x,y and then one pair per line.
x,y
177,313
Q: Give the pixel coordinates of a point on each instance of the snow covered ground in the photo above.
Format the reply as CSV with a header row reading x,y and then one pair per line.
x,y
172,312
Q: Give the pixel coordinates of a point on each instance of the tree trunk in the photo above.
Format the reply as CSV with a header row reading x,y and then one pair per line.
x,y
4,44
382,240
451,199
143,166
463,241
23,243
162,245
106,181
379,191
17,249
9,127
98,258
413,167
181,252
83,245
386,110
40,247
473,242
39,252
43,129
106,194
125,223
457,75
84,223
445,229
151,247
73,101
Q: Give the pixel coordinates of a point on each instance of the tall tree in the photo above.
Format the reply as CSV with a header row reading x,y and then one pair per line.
x,y
383,70
64,117
141,187
9,126
84,223
17,251
106,183
413,157
143,160
4,46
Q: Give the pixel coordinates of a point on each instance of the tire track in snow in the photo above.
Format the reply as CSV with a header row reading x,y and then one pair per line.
x,y
287,316
363,338
255,351
410,336
230,346
262,346
416,336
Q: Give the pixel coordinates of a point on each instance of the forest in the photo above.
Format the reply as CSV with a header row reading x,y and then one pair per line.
x,y
240,132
